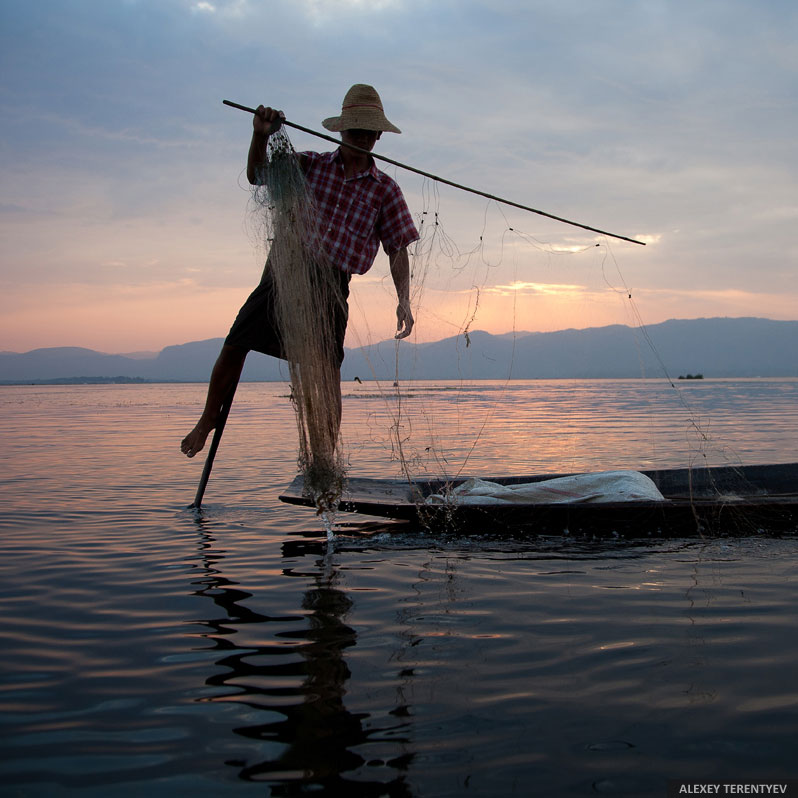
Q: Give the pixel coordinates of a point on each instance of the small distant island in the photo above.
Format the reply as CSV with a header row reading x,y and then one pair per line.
x,y
92,381
691,377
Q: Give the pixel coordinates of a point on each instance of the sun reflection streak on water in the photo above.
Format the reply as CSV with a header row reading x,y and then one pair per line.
x,y
565,426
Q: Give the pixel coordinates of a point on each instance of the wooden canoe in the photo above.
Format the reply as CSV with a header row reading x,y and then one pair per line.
x,y
745,500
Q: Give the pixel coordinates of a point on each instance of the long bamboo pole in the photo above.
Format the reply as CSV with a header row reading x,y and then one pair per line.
x,y
217,436
443,179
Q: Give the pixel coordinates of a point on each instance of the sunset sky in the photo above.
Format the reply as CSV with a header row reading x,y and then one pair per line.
x,y
124,207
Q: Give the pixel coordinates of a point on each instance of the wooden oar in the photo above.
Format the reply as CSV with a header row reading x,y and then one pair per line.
x,y
217,436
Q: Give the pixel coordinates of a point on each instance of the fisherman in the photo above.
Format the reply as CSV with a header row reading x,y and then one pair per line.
x,y
359,207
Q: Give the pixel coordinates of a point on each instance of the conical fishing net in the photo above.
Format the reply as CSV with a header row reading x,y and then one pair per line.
x,y
456,287
308,298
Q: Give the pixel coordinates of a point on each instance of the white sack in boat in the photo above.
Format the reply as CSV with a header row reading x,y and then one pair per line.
x,y
605,486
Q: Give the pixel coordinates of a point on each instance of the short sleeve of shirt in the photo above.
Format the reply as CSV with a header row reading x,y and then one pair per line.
x,y
395,226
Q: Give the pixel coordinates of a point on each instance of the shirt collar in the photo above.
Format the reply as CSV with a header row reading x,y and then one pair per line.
x,y
372,170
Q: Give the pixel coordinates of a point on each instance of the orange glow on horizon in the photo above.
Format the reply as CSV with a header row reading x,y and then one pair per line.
x,y
118,319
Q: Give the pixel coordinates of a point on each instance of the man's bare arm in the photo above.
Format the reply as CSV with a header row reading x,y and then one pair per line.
x,y
400,271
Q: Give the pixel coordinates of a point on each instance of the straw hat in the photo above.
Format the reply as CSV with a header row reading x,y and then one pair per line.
x,y
361,108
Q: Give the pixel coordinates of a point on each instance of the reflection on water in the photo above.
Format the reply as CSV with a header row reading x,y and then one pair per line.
x,y
581,668
149,651
300,676
565,426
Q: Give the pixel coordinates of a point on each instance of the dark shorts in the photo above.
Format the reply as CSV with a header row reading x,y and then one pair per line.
x,y
255,327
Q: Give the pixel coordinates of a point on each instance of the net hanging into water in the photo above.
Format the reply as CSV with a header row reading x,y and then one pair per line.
x,y
454,285
308,298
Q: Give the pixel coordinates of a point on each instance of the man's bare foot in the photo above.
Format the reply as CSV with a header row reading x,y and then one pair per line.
x,y
195,440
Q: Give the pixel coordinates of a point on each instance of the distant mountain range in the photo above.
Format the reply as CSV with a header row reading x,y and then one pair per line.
x,y
719,347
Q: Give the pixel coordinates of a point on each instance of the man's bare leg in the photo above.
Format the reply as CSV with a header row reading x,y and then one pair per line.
x,y
224,376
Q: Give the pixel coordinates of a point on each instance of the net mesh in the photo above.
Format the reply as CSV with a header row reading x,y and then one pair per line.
x,y
456,286
308,299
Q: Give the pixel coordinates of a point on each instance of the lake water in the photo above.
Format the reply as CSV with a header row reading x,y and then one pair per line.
x,y
149,650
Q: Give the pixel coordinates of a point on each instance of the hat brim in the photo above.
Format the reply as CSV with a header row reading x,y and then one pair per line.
x,y
358,120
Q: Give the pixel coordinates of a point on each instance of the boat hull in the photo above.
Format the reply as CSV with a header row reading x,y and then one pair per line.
x,y
751,500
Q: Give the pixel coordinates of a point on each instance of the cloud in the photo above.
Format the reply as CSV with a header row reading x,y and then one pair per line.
x,y
321,11
669,122
544,289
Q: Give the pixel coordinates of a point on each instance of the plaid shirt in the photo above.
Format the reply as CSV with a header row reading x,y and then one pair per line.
x,y
357,214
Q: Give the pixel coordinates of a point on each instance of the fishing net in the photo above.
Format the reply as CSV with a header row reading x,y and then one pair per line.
x,y
471,270
502,273
308,303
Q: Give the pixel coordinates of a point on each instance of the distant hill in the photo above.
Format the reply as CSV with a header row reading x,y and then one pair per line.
x,y
719,347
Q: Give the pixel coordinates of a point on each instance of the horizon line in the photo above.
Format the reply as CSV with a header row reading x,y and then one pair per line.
x,y
145,354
